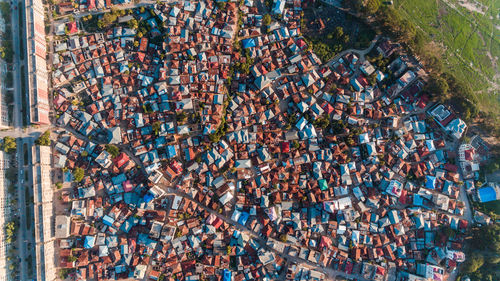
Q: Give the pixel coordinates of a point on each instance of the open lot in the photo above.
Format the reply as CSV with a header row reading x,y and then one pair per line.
x,y
321,23
469,30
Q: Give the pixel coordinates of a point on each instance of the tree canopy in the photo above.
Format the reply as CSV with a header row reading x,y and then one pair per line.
x,y
44,139
9,144
78,174
483,253
113,150
438,87
266,20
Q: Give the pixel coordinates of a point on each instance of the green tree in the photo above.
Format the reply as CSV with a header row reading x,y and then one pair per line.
x,y
44,139
323,122
266,20
487,238
372,6
78,174
438,87
473,263
133,23
156,127
181,117
339,32
9,144
113,150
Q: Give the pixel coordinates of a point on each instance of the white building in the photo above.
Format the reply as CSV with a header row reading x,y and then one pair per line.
x,y
37,64
43,213
4,214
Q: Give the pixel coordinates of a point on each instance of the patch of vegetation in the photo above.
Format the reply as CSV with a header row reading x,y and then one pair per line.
x,y
11,174
23,96
491,208
444,86
9,144
113,150
6,48
65,272
109,18
483,253
11,231
78,174
330,31
266,20
44,139
222,129
181,117
243,67
322,122
471,42
89,23
156,127
327,47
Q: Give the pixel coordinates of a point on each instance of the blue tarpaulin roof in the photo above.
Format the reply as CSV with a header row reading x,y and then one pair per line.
x,y
487,194
243,218
227,275
247,43
68,177
107,220
89,242
148,197
322,184
430,182
171,151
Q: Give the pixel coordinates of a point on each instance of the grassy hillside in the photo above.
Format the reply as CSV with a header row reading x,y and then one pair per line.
x,y
469,31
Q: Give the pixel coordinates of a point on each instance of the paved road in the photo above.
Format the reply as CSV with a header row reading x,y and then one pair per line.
x,y
29,132
26,235
24,136
17,132
22,210
17,41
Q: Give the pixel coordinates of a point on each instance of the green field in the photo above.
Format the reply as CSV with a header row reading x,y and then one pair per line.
x,y
470,38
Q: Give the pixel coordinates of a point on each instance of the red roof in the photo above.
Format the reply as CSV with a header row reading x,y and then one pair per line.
x,y
450,167
141,56
348,267
362,80
469,154
144,44
285,147
380,270
217,223
325,242
422,103
403,197
72,28
301,43
463,224
121,159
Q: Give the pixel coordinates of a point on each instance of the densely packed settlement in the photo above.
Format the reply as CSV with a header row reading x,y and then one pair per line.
x,y
197,142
